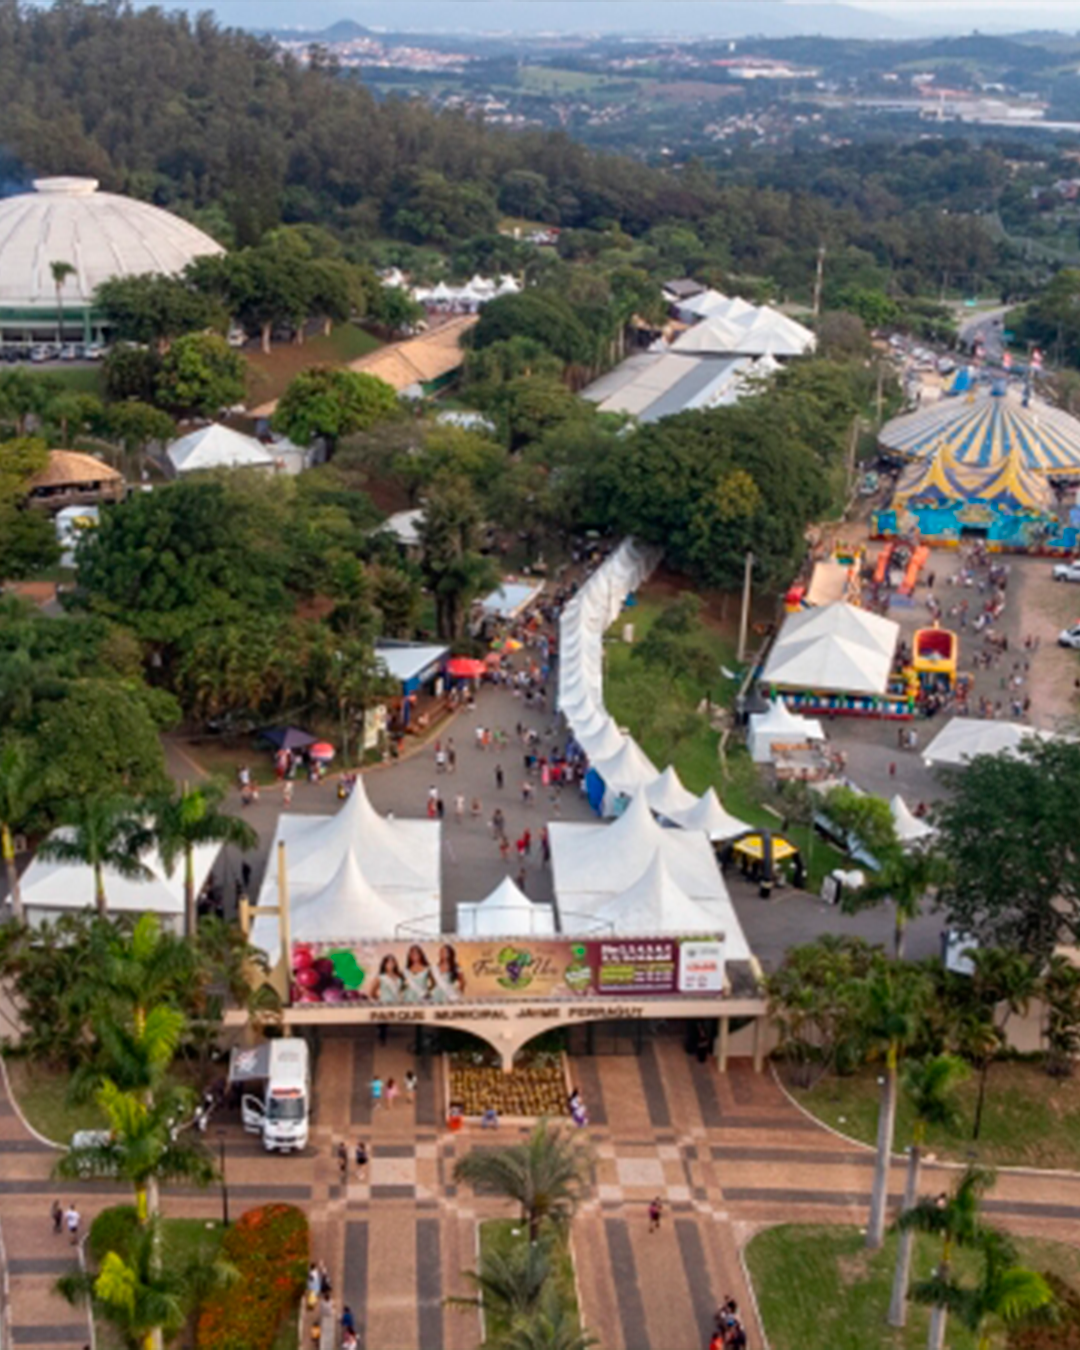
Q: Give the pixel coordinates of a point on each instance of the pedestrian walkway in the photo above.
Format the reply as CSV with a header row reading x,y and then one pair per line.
x,y
726,1154
36,1256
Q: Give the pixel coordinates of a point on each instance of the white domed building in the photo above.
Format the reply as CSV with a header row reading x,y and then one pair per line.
x,y
99,235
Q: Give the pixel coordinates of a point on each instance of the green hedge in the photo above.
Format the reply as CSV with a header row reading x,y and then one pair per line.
x,y
270,1249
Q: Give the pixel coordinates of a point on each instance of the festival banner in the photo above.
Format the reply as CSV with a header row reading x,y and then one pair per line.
x,y
404,972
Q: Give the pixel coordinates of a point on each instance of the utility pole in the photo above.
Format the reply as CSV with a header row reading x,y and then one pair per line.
x,y
819,277
744,616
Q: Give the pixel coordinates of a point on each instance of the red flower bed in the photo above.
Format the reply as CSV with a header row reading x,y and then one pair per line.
x,y
270,1249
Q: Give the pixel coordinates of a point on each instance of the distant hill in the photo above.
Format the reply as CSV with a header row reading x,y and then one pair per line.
x,y
734,18
345,30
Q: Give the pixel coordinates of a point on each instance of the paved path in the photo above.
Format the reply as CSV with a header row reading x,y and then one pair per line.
x,y
729,1155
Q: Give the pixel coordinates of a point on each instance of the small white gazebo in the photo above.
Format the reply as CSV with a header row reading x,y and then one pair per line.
x,y
506,912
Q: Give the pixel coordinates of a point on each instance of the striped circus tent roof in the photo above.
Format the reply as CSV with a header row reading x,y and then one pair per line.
x,y
1009,484
983,428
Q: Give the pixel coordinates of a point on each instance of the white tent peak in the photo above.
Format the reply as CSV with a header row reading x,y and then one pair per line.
x,y
218,447
506,912
909,828
655,903
380,846
708,814
666,794
628,769
346,906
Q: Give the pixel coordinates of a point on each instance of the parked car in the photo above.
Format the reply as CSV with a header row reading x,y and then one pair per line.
x,y
1069,571
1070,637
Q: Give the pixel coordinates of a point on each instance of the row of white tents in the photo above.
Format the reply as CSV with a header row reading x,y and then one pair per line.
x,y
468,298
613,755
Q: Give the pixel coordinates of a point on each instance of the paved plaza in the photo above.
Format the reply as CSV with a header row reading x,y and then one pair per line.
x,y
729,1154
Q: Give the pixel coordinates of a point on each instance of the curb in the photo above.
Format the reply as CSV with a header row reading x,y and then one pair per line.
x,y
5,1082
1003,1170
741,1253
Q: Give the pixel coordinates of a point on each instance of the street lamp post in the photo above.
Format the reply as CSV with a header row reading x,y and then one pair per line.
x,y
224,1180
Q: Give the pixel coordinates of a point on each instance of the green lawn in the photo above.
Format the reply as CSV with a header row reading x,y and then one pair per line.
x,y
79,379
1029,1119
501,1235
347,343
818,1288
42,1096
636,699
183,1240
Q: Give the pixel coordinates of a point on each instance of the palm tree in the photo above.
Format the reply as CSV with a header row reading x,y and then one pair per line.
x,y
182,820
145,1146
60,273
928,1086
19,788
1007,1295
101,832
955,1220
546,1174
895,998
906,877
142,1300
553,1325
509,1283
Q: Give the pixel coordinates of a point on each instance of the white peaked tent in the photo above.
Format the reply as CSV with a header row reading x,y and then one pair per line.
x,y
656,904
588,719
347,907
593,863
50,888
835,648
376,873
708,814
965,737
218,447
667,796
779,726
624,773
393,853
604,743
909,828
506,912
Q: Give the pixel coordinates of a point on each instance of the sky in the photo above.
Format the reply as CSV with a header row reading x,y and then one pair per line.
x,y
855,18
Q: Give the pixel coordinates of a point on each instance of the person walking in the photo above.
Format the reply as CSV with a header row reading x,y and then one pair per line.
x,y
656,1213
57,1217
376,1091
410,1085
313,1284
72,1218
343,1160
361,1159
459,808
499,776
391,1092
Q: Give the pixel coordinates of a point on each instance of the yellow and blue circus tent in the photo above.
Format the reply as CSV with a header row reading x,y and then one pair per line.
x,y
1008,485
986,428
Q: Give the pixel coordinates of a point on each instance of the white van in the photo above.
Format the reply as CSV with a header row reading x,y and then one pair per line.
x,y
279,1106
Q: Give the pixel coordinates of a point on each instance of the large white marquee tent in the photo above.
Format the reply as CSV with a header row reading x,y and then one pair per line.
x,y
355,874
594,865
835,648
50,889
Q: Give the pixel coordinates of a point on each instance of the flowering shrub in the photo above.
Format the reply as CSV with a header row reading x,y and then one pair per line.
x,y
270,1249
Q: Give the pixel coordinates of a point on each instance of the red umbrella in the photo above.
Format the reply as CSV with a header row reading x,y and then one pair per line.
x,y
465,668
321,750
